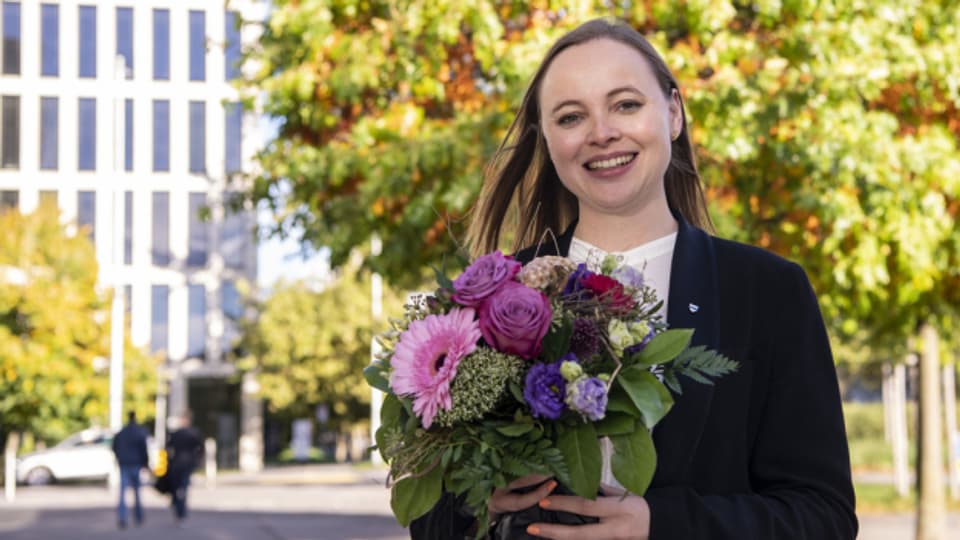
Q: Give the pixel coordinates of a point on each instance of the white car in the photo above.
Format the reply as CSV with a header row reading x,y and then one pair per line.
x,y
86,455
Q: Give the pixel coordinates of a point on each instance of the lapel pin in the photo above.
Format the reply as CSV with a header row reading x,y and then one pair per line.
x,y
693,308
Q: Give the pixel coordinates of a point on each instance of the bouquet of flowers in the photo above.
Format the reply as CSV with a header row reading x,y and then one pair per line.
x,y
508,371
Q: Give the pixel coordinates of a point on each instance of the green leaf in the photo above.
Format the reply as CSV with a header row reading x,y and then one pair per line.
x,y
615,423
557,341
634,459
618,400
515,430
581,453
663,348
647,393
442,280
375,376
413,497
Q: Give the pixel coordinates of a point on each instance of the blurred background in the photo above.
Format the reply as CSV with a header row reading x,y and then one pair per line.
x,y
213,205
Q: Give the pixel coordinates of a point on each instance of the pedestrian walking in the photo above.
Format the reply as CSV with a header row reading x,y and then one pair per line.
x,y
183,454
130,447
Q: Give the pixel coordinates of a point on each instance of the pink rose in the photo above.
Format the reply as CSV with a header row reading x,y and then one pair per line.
x,y
483,277
514,319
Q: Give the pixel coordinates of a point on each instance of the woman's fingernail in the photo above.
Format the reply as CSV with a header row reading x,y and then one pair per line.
x,y
533,529
553,484
544,503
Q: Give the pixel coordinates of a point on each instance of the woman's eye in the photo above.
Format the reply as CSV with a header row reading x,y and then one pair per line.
x,y
568,119
629,106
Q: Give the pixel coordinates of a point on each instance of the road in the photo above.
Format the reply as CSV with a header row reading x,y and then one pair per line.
x,y
329,502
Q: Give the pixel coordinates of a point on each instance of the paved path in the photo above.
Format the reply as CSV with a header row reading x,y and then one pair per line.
x,y
328,502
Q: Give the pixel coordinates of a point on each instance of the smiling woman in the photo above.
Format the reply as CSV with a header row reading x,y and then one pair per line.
x,y
599,162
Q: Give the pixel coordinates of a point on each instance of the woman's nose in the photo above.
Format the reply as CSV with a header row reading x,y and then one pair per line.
x,y
603,132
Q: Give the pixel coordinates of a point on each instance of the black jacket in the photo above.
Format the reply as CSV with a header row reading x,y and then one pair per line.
x,y
762,454
130,445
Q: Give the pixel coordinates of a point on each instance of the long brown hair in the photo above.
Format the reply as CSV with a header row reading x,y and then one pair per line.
x,y
522,174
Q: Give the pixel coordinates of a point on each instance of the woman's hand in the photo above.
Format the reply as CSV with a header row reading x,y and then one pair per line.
x,y
505,500
620,518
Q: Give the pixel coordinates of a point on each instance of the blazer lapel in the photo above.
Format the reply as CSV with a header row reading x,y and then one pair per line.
x,y
692,304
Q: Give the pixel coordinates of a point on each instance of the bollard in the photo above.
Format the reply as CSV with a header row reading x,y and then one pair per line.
x,y
210,457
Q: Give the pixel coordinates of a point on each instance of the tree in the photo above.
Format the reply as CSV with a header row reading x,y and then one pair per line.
x,y
54,332
309,347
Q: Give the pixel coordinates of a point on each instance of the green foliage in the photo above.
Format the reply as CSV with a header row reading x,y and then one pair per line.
x,y
310,347
55,330
580,450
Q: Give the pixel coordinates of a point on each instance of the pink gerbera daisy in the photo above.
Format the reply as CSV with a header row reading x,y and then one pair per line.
x,y
425,360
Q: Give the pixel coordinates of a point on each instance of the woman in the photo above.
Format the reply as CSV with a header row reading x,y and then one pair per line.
x,y
599,161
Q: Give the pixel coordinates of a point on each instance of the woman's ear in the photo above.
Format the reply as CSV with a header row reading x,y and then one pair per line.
x,y
676,114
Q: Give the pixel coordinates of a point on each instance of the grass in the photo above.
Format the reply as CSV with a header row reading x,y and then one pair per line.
x,y
883,499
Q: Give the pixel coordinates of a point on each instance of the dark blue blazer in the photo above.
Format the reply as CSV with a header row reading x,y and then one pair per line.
x,y
762,454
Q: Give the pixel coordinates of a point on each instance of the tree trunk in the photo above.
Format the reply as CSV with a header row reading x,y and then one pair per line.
x,y
931,507
10,465
899,438
950,417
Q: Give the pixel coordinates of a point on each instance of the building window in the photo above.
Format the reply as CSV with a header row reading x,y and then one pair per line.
x,y
128,227
127,303
196,321
10,132
234,237
233,137
159,318
88,41
48,197
49,133
128,134
9,200
161,44
87,134
161,228
50,40
198,136
198,46
125,38
87,213
11,38
198,232
161,135
231,49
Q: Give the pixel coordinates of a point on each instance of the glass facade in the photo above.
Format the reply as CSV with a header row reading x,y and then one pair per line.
x,y
88,41
87,213
128,227
49,133
48,197
233,137
159,318
11,38
161,44
128,134
198,233
9,199
50,40
198,136
231,47
125,38
161,135
196,321
87,134
10,132
198,45
160,249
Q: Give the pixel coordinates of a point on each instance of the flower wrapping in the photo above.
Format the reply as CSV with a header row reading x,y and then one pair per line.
x,y
506,371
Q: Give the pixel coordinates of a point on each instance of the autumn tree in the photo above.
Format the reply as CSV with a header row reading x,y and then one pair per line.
x,y
54,332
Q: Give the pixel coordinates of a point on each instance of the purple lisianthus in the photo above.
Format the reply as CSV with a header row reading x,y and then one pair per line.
x,y
588,396
483,277
514,319
544,390
575,285
628,276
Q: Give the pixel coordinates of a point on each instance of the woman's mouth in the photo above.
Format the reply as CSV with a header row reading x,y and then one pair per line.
x,y
610,163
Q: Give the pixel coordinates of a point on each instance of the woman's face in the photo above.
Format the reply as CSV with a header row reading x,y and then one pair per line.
x,y
608,127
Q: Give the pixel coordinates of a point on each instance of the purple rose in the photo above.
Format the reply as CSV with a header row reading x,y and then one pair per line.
x,y
514,319
483,277
588,396
544,390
